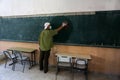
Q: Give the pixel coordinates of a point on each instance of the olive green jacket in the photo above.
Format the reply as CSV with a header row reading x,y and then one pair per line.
x,y
46,39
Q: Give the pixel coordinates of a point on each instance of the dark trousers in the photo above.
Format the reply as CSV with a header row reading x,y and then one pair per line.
x,y
44,60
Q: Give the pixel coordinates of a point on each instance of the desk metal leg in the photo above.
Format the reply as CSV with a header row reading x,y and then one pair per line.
x,y
86,72
33,59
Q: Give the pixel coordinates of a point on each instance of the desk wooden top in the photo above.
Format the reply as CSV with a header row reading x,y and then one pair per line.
x,y
28,50
82,56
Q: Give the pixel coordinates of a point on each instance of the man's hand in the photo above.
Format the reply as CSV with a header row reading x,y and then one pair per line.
x,y
64,24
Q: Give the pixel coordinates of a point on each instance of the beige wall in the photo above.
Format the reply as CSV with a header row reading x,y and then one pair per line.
x,y
32,7
104,60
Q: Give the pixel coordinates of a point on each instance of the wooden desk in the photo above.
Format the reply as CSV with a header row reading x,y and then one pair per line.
x,y
26,50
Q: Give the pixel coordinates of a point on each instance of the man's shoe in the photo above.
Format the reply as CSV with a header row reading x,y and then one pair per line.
x,y
45,71
41,69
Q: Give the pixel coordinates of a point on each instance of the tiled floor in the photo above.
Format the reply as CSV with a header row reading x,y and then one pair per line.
x,y
36,74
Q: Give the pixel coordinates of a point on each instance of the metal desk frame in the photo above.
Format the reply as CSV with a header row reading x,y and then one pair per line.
x,y
26,50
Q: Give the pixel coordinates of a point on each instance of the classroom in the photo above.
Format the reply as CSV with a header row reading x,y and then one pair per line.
x,y
91,35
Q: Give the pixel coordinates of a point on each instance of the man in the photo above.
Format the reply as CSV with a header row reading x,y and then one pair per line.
x,y
46,43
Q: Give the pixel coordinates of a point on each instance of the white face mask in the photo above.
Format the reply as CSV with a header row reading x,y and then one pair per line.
x,y
50,27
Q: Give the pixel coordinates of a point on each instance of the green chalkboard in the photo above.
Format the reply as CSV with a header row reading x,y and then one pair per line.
x,y
101,28
0,27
